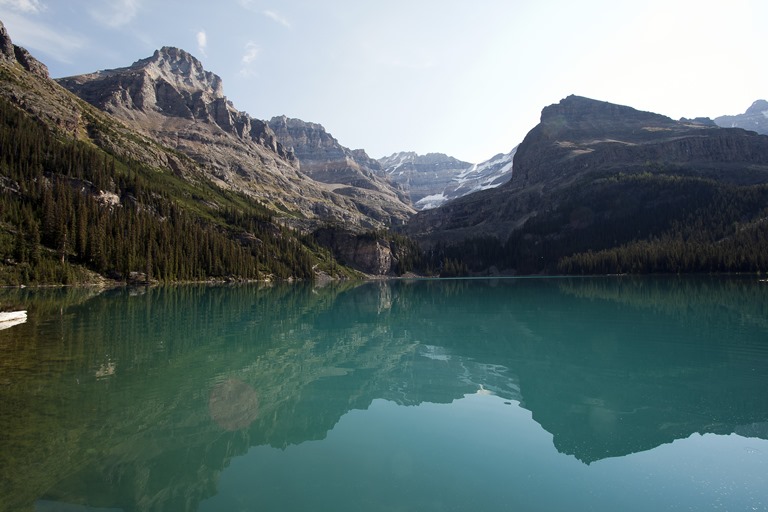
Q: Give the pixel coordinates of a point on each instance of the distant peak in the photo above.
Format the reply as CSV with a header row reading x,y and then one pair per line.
x,y
758,107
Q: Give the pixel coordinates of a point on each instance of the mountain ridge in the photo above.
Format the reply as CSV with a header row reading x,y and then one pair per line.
x,y
435,178
754,118
91,197
350,173
590,172
170,96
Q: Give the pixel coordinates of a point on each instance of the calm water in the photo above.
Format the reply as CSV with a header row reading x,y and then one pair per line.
x,y
469,395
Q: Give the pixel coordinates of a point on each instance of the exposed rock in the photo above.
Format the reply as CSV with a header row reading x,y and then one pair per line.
x,y
580,137
351,173
422,175
12,53
755,118
174,84
435,178
173,99
6,45
367,253
30,63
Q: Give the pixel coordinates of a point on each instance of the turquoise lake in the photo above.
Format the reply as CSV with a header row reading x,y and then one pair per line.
x,y
603,394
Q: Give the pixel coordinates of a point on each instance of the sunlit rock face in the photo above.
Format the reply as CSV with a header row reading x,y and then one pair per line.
x,y
171,84
171,97
351,173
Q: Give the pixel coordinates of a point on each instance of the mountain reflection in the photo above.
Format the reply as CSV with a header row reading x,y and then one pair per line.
x,y
137,401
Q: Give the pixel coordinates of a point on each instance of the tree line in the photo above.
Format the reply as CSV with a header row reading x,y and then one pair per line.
x,y
641,223
68,208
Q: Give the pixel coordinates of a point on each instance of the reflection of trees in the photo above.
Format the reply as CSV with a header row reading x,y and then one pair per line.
x,y
706,297
121,385
116,388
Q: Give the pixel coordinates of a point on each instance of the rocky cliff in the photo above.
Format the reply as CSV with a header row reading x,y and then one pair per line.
x,y
755,118
350,173
171,98
422,176
12,53
435,178
579,147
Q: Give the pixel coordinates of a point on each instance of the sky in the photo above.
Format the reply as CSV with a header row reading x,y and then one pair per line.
x,y
468,79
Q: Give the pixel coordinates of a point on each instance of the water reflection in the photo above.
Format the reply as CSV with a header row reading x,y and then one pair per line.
x,y
139,401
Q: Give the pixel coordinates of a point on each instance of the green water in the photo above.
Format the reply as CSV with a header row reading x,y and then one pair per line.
x,y
470,395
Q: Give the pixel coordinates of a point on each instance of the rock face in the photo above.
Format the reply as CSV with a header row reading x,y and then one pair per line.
x,y
6,45
12,53
435,178
351,173
367,253
755,118
173,99
580,139
172,84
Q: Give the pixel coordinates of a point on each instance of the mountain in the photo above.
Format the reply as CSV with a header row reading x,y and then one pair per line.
x,y
594,176
755,118
165,181
171,98
424,177
435,178
352,174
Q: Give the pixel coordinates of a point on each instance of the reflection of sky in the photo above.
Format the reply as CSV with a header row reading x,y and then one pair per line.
x,y
484,453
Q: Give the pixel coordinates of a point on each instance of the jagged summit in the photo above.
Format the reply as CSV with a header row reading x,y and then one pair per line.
x,y
172,82
173,65
182,69
172,97
351,173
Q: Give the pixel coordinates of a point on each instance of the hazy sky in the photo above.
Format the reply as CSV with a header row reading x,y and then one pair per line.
x,y
466,78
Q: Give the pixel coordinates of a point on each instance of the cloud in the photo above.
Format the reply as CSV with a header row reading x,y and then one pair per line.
x,y
247,4
252,51
116,13
28,6
202,42
275,16
52,41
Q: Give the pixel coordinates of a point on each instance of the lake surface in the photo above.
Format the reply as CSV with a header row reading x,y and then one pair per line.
x,y
597,394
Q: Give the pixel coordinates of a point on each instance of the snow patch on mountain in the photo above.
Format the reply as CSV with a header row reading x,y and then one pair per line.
x,y
433,179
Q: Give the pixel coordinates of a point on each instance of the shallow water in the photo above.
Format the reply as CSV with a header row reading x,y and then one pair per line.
x,y
516,394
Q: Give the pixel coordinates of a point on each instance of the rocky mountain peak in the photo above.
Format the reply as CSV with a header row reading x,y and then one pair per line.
x,y
758,107
171,82
755,118
182,70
